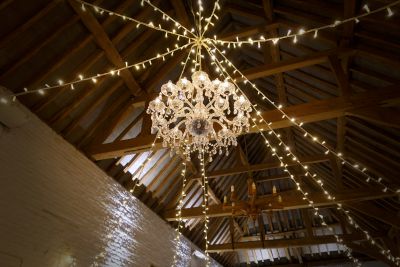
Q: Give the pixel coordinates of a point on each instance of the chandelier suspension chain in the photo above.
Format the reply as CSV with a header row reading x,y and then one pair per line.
x,y
313,176
312,137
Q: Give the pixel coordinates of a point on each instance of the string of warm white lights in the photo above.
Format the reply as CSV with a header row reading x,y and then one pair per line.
x,y
213,15
165,16
314,31
304,193
150,24
329,196
313,138
210,46
205,205
94,79
178,237
184,63
137,178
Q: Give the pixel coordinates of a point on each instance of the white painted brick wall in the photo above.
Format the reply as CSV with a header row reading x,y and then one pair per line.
x,y
57,208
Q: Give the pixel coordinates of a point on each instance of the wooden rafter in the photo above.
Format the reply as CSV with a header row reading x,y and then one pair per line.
x,y
105,43
284,243
291,200
309,112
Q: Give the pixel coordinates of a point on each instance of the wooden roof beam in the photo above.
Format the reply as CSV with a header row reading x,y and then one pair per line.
x,y
248,31
263,166
307,113
291,200
295,63
106,44
285,243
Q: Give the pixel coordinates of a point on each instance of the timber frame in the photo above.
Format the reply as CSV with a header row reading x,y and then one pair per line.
x,y
344,86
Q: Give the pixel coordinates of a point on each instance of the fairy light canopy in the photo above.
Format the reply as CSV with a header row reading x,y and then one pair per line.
x,y
206,112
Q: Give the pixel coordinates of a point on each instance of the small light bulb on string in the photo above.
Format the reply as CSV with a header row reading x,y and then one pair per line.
x,y
389,12
3,100
366,8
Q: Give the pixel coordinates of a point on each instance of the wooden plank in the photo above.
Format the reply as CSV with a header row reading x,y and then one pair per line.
x,y
291,200
379,115
341,78
276,177
28,23
307,113
377,213
284,243
105,43
263,166
248,31
307,222
294,63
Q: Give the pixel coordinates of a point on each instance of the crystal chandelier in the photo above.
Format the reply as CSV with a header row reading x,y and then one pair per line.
x,y
202,115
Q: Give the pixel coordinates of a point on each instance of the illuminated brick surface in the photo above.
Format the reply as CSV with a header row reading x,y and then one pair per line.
x,y
59,209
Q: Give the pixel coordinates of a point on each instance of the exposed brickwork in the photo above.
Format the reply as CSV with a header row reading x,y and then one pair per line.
x,y
59,209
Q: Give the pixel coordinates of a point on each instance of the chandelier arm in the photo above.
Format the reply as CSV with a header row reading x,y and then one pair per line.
x,y
211,103
178,24
190,108
138,22
179,124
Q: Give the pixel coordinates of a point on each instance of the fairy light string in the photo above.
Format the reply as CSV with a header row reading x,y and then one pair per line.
x,y
178,237
184,64
168,17
205,205
213,15
313,31
137,178
94,79
340,155
304,193
329,196
150,24
197,42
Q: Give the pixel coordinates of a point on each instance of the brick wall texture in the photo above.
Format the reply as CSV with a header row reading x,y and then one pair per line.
x,y
57,208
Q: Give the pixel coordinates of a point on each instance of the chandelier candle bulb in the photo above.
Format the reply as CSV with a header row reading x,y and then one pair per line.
x,y
199,111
